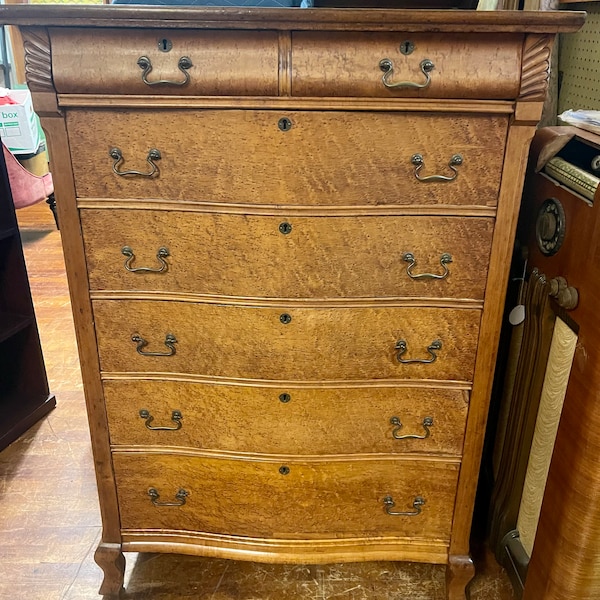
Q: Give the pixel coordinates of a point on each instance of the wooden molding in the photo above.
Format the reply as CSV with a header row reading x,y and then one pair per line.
x,y
38,62
536,67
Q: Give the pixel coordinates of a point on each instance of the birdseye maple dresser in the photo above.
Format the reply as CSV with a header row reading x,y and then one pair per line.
x,y
287,235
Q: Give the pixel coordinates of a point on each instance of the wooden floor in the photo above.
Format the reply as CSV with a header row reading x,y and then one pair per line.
x,y
49,518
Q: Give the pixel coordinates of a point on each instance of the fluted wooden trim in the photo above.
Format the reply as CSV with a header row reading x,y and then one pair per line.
x,y
38,63
537,51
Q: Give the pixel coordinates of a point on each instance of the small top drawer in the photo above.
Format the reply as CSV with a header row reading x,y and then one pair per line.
x,y
432,65
203,63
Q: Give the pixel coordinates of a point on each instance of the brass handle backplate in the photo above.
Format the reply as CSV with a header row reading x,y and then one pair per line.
x,y
176,417
183,65
161,254
387,66
388,505
427,423
402,347
445,259
180,498
117,156
419,162
170,340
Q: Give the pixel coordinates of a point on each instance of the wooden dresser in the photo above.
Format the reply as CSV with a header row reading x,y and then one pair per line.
x,y
287,234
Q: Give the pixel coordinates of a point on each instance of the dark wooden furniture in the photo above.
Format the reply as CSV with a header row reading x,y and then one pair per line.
x,y
244,194
565,564
545,517
24,393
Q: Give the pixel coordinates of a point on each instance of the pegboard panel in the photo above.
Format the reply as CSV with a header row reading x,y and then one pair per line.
x,y
579,62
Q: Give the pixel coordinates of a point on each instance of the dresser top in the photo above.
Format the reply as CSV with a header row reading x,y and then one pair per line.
x,y
292,18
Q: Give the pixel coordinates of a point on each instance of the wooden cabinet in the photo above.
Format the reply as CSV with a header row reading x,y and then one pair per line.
x,y
24,394
287,243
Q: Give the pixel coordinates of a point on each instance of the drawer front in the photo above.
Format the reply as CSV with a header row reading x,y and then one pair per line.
x,y
280,344
279,257
335,158
314,499
292,421
107,61
483,66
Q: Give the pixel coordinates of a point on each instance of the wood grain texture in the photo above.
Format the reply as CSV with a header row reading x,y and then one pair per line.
x,y
312,422
502,248
86,340
566,551
326,158
224,62
349,153
251,342
241,255
252,498
347,64
283,18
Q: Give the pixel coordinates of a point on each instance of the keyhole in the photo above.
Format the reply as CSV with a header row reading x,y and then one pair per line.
x,y
285,398
164,45
284,124
285,228
285,318
407,47
284,470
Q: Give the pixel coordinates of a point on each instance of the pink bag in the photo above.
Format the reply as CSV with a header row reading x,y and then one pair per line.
x,y
27,188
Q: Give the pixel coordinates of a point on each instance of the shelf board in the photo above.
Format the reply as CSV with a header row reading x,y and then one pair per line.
x,y
22,415
11,323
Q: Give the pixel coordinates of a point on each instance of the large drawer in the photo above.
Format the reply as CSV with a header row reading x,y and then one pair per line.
x,y
290,500
293,257
105,61
483,66
286,344
289,421
333,158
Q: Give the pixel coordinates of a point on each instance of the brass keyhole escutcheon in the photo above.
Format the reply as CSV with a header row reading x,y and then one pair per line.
x,y
285,398
284,470
165,45
285,228
284,124
285,318
407,47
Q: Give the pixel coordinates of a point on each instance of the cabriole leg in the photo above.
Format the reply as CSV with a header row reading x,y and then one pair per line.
x,y
459,572
111,560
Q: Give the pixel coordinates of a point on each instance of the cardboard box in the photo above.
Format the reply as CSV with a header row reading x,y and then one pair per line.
x,y
19,126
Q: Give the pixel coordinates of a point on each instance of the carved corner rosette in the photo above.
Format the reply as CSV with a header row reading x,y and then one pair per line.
x,y
38,59
537,53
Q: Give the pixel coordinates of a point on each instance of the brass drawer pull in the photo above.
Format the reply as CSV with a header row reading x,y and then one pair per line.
x,y
387,66
388,503
455,161
402,348
117,156
445,259
181,495
142,343
176,417
184,64
160,255
427,423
